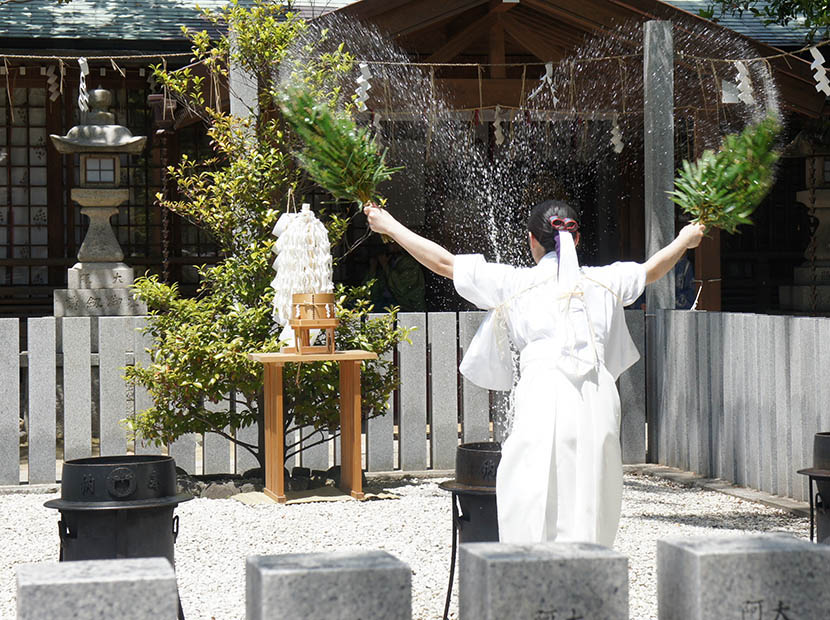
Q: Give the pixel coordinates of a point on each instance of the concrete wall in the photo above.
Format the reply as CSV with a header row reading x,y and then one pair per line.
x,y
740,396
433,410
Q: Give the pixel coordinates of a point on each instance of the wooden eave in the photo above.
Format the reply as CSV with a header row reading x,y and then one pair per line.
x,y
546,30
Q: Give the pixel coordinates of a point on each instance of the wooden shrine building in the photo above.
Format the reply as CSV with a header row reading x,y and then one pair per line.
x,y
496,49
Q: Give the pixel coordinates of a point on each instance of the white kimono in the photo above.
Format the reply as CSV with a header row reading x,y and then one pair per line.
x,y
560,476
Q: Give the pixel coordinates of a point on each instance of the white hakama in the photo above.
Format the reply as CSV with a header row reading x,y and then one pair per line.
x,y
560,476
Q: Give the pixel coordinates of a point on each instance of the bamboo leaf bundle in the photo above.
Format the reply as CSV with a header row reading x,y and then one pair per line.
x,y
722,189
341,157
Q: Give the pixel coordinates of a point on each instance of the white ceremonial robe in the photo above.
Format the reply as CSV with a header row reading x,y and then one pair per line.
x,y
560,476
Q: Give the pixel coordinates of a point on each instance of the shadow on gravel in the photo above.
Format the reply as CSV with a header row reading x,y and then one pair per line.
x,y
727,521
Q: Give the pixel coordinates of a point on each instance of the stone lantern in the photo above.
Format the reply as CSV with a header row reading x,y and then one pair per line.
x,y
99,283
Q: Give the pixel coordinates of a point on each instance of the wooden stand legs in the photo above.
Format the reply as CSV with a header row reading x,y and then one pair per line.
x,y
351,470
274,434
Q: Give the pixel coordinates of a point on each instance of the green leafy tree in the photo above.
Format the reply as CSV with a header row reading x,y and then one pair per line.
x,y
814,15
200,345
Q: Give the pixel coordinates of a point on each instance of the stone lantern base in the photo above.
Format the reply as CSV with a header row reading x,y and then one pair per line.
x,y
98,289
799,296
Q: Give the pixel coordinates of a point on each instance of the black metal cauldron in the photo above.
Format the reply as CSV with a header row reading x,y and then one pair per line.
x,y
474,515
820,502
118,507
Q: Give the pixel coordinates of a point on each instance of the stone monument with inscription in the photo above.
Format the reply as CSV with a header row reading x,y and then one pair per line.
x,y
757,577
99,283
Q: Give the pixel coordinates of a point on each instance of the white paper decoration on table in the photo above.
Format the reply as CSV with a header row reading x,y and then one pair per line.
x,y
303,262
820,73
363,86
744,84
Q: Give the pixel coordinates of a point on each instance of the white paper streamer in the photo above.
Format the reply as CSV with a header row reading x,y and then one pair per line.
x,y
83,96
616,137
546,81
363,86
744,84
820,74
729,92
53,83
378,129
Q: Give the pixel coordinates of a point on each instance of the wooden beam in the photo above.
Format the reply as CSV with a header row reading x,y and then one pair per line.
x,y
459,42
545,26
501,6
497,54
410,17
463,93
531,41
575,19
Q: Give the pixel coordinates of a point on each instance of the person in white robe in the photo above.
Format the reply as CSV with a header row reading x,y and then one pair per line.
x,y
560,475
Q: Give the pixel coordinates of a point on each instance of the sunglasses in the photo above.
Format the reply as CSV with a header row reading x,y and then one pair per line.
x,y
566,223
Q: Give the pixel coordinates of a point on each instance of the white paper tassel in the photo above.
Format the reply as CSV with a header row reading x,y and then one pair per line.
x,y
363,86
546,81
820,74
83,96
616,137
498,132
744,84
152,83
303,261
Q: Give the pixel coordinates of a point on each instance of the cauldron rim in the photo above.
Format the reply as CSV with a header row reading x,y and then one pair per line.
x,y
813,472
99,466
155,502
119,459
459,487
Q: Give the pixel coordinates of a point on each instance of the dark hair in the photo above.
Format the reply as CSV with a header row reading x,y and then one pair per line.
x,y
539,221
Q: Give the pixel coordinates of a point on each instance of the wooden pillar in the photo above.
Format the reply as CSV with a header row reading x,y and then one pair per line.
x,y
708,272
658,118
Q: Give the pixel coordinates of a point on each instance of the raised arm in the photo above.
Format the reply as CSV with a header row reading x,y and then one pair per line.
x,y
428,253
662,261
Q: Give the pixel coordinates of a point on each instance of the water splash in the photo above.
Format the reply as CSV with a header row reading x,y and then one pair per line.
x,y
573,136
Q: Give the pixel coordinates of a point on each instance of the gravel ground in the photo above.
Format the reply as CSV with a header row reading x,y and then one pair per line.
x,y
216,536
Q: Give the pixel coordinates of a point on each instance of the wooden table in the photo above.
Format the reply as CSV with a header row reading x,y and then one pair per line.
x,y
351,470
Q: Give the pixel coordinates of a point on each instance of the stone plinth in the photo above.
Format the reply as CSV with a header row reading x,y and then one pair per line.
x,y
742,578
97,302
371,585
552,581
100,275
136,589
